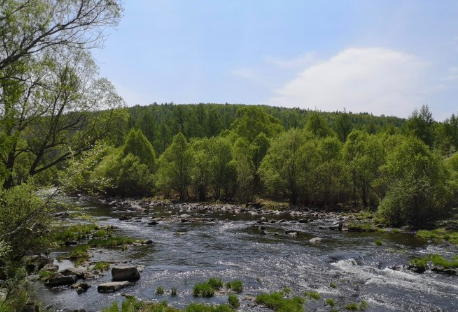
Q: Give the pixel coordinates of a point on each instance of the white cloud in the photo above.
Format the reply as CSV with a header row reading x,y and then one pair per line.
x,y
375,80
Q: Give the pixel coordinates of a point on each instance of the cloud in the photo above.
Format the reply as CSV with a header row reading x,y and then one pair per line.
x,y
375,80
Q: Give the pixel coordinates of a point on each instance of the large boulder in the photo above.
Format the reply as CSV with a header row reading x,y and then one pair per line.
x,y
79,273
111,286
58,279
125,273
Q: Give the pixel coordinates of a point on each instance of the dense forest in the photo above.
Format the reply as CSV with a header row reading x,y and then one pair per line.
x,y
407,168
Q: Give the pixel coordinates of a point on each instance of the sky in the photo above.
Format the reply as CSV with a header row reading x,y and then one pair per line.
x,y
381,56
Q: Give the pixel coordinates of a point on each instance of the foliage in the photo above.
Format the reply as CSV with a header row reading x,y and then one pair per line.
x,y
439,234
234,301
175,167
203,290
24,220
216,283
101,266
313,295
419,185
436,260
236,286
160,290
278,302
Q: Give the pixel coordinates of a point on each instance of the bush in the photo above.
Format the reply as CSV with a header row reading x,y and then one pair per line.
x,y
24,220
216,283
203,290
234,301
236,286
277,302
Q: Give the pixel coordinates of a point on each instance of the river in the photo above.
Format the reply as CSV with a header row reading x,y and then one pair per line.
x,y
232,248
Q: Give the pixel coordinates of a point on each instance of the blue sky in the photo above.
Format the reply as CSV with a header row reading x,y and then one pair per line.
x,y
382,57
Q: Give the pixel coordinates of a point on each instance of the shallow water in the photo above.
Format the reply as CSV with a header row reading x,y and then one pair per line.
x,y
232,248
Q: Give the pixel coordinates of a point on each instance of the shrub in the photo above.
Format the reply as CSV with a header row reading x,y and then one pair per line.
x,y
277,302
216,283
234,301
330,302
236,286
160,290
203,290
313,295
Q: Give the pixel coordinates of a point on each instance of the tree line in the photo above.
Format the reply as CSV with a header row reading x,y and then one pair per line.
x,y
409,179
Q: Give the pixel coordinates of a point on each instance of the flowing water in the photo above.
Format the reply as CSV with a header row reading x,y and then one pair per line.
x,y
232,248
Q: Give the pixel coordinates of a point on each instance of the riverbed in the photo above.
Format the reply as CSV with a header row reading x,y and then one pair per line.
x,y
348,267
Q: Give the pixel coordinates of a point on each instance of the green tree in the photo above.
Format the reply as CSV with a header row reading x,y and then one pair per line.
x,y
419,189
138,145
421,125
201,171
288,163
343,126
175,166
317,125
49,87
364,155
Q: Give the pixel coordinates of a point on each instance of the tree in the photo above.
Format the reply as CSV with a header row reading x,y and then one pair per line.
x,y
343,126
317,125
175,167
49,87
288,163
421,125
364,155
53,118
419,189
31,28
138,145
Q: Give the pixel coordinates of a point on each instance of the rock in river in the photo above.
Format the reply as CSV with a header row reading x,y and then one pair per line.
x,y
58,279
125,273
111,286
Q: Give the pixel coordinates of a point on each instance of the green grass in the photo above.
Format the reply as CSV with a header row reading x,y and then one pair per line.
x,y
74,232
79,253
203,290
101,266
160,290
174,291
277,302
361,227
115,241
216,283
236,286
330,302
134,305
234,301
378,242
313,295
353,306
333,285
45,275
436,260
439,234
197,307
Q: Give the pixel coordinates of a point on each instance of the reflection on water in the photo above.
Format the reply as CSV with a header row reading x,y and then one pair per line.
x,y
232,248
